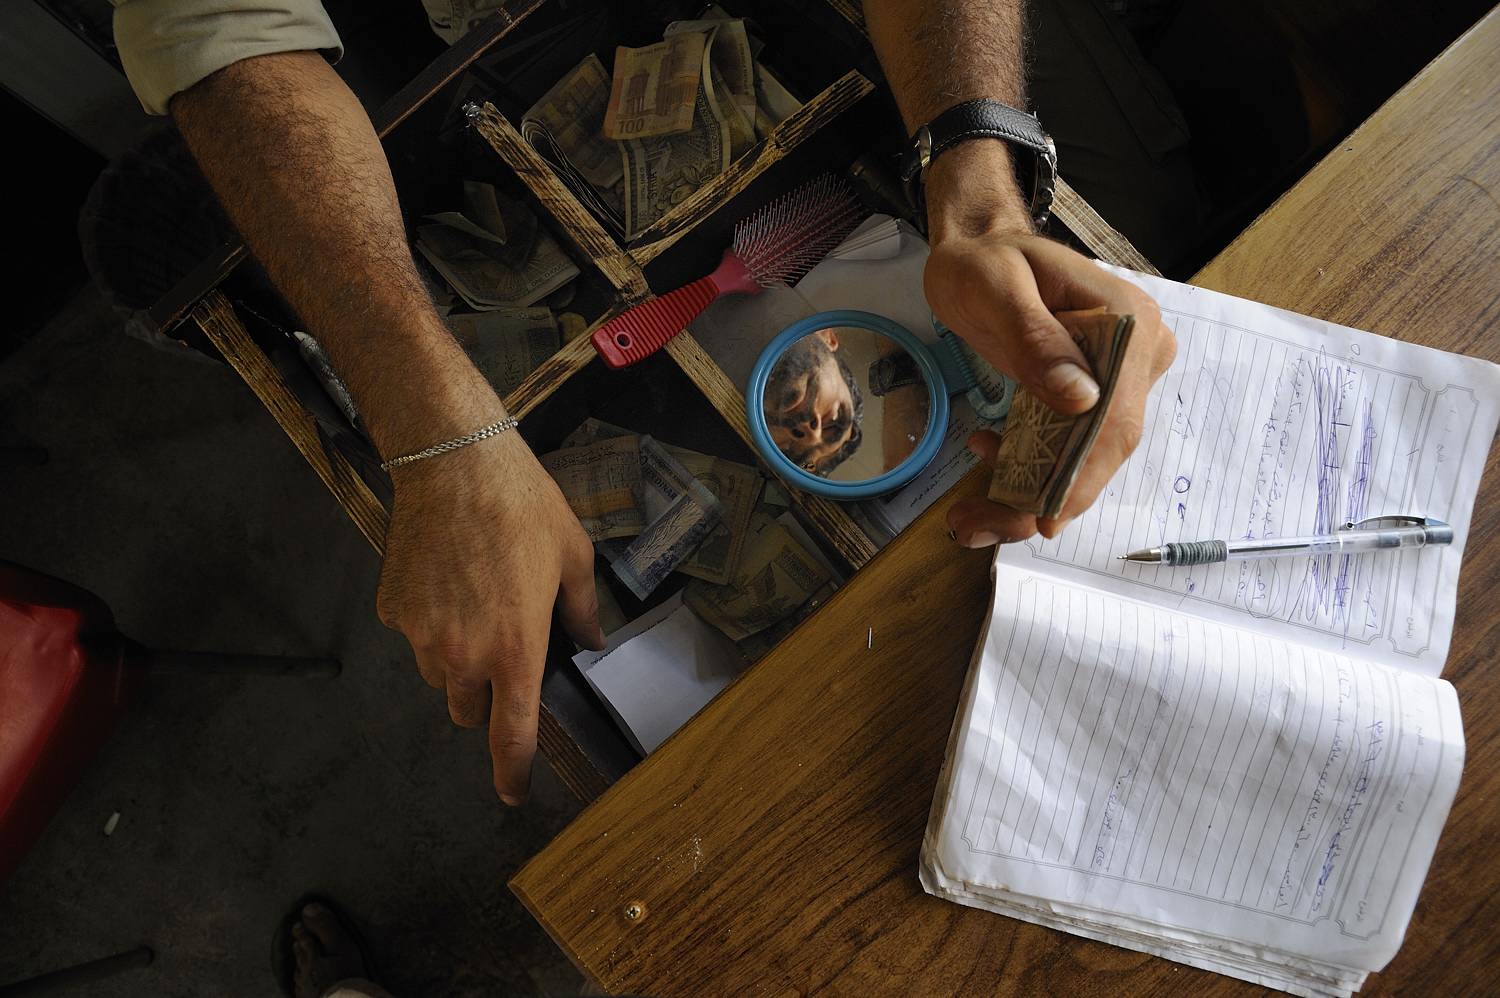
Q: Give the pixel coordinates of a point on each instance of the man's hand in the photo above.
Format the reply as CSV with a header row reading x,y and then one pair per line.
x,y
481,546
990,279
997,285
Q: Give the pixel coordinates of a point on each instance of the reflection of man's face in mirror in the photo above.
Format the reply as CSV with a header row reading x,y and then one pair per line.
x,y
813,407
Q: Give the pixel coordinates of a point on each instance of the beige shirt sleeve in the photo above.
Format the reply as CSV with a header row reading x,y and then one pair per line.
x,y
167,46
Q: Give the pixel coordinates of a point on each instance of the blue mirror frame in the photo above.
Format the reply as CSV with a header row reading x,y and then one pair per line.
x,y
937,406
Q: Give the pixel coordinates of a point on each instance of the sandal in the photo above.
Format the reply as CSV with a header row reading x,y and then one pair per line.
x,y
284,961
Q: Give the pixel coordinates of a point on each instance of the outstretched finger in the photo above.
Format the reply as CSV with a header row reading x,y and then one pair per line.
x,y
980,523
515,698
468,701
461,676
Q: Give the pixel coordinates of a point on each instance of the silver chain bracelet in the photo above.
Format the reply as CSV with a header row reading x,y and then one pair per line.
x,y
484,432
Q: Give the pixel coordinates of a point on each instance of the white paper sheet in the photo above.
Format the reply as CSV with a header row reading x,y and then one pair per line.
x,y
1271,423
659,670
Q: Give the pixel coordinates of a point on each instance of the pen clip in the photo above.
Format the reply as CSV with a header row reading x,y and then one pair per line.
x,y
1398,520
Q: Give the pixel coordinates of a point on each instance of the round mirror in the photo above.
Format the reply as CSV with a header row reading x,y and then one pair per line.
x,y
847,400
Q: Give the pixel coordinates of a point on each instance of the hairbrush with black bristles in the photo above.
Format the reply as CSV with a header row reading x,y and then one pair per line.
x,y
777,245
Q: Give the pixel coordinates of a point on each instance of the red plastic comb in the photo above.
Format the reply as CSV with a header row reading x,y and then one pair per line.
x,y
776,245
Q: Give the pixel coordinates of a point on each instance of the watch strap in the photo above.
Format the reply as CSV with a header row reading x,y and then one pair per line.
x,y
988,119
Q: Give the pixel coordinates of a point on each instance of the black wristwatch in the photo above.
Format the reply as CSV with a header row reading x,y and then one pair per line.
x,y
987,119
892,371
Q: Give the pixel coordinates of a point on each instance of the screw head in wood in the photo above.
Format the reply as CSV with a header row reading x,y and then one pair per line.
x,y
635,911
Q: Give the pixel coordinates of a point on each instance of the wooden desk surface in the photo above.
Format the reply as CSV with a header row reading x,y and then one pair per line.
x,y
771,845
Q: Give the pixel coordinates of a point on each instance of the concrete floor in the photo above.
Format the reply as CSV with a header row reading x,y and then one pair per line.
x,y
173,495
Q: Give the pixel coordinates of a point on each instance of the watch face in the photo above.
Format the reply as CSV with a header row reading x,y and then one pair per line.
x,y
893,371
1044,183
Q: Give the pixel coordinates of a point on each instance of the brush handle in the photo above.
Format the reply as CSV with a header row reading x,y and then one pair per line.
x,y
638,333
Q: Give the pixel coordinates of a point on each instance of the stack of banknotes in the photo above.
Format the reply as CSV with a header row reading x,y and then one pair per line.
x,y
653,509
634,144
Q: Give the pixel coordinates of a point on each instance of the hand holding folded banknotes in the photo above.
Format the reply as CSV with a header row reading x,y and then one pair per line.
x,y
1084,381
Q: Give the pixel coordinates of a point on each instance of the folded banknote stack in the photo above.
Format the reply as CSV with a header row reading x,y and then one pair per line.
x,y
1042,450
494,253
500,279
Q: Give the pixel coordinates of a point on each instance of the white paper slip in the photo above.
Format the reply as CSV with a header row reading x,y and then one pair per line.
x,y
659,670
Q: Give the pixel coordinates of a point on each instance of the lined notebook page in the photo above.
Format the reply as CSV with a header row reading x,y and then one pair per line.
x,y
1274,424
1125,757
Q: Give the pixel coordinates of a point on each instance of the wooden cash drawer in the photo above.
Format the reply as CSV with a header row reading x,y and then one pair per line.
x,y
847,125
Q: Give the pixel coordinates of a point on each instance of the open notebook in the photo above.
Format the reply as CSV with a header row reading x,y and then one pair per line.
x,y
1245,766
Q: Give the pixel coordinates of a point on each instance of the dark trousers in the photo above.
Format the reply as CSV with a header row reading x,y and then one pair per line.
x,y
1121,141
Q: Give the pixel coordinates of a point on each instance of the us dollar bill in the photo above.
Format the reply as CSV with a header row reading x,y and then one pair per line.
x,y
653,88
494,223
607,204
777,576
602,484
507,344
1041,450
662,171
572,115
680,514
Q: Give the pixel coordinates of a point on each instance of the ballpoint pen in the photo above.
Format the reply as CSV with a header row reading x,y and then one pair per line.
x,y
1352,538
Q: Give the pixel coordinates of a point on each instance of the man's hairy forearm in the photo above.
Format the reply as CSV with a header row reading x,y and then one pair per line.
x,y
293,157
938,53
